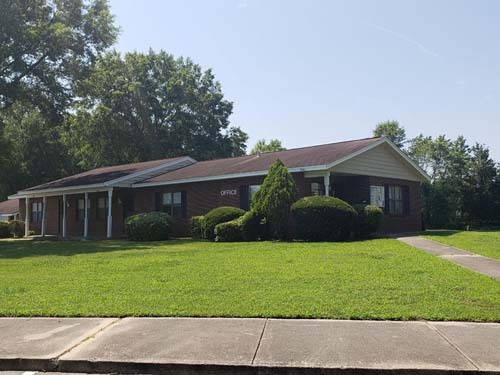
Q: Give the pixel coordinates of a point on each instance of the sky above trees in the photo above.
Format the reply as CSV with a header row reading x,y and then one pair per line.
x,y
315,72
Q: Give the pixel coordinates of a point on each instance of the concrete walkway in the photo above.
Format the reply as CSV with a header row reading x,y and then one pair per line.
x,y
475,262
247,346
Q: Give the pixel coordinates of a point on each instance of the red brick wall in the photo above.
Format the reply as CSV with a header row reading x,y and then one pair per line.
x,y
204,196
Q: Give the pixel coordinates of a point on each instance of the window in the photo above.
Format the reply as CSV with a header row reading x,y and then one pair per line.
x,y
172,204
36,212
396,201
102,208
316,189
377,196
80,210
252,189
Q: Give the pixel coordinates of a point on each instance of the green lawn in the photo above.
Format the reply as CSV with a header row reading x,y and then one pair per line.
x,y
486,243
376,279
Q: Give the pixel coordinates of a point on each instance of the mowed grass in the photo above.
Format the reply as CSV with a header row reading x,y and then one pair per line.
x,y
485,243
376,279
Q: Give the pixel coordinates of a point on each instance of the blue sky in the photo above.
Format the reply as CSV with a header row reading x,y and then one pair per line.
x,y
309,72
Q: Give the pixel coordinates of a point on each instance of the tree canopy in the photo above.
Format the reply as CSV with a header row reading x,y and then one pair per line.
x,y
263,146
391,130
150,106
68,103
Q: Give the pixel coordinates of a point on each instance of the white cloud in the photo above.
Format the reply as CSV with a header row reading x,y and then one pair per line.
x,y
242,4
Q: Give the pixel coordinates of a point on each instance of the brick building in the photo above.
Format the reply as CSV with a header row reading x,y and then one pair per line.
x,y
96,203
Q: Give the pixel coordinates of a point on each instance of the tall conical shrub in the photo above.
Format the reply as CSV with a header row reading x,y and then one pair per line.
x,y
274,198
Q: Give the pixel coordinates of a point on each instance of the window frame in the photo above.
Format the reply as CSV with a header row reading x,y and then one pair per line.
x,y
170,206
101,215
252,189
391,202
36,214
80,212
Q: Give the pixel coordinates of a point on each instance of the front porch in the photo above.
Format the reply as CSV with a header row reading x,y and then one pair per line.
x,y
76,214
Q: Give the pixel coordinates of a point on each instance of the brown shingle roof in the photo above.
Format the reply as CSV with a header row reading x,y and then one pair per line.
x,y
293,158
9,207
101,175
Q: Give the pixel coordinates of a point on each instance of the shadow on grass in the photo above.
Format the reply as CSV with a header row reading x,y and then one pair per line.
x,y
440,232
17,249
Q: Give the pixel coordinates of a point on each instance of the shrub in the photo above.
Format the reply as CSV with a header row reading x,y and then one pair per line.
x,y
197,226
17,228
253,226
323,218
219,215
151,226
274,198
230,231
369,219
4,229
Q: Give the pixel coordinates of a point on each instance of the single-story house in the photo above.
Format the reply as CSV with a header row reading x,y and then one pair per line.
x,y
9,210
96,203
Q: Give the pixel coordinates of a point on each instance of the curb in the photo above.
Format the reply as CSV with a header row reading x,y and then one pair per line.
x,y
102,367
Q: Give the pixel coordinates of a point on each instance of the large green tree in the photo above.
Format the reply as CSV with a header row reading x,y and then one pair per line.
x,y
149,106
45,47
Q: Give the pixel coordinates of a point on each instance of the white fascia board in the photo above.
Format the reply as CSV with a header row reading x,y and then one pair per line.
x,y
409,160
378,143
227,176
59,191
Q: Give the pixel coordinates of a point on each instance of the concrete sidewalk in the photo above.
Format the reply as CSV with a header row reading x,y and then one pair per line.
x,y
486,266
247,346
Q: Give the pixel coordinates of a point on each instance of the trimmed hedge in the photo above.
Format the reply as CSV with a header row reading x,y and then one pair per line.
x,y
248,227
321,218
230,231
17,228
197,227
4,229
151,226
369,219
219,215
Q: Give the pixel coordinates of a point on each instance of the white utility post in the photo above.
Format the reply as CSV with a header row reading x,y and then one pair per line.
x,y
110,218
27,217
64,217
86,216
44,213
326,182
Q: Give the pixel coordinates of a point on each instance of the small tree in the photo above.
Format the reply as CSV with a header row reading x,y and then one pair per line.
x,y
274,198
391,130
263,146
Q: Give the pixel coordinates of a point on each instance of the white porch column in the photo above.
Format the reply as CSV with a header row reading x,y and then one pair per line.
x,y
44,214
27,217
110,219
64,217
326,182
86,216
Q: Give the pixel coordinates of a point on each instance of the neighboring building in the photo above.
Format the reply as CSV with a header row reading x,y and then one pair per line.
x,y
9,210
96,203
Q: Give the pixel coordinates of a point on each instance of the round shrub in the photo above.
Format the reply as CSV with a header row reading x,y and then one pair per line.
x,y
17,228
230,231
151,226
323,218
197,227
4,229
369,219
219,215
